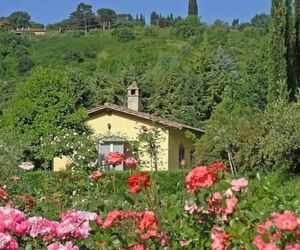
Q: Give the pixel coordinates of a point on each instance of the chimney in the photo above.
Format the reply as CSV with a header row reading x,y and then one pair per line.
x,y
134,100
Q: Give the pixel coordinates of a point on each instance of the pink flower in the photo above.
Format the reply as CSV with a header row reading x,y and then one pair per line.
x,y
292,246
270,246
7,242
219,239
191,208
200,177
58,246
41,227
231,203
75,224
286,221
2,228
259,242
215,203
95,176
131,162
137,247
264,227
20,228
99,221
9,215
239,185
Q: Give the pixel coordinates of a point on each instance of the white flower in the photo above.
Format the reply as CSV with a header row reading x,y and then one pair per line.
x,y
26,166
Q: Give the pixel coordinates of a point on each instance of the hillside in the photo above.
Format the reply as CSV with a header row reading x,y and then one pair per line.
x,y
152,56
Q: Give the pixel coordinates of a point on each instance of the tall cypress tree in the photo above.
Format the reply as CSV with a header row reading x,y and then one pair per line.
x,y
277,52
297,41
193,8
290,54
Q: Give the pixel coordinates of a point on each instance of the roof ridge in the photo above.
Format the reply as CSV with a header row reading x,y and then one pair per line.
x,y
144,115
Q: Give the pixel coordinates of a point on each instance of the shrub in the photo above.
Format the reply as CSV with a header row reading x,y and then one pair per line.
x,y
25,64
73,57
123,35
188,27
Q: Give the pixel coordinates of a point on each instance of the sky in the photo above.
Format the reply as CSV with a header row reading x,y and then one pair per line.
x,y
51,11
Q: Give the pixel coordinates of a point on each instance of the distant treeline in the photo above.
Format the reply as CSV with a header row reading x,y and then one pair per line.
x,y
83,18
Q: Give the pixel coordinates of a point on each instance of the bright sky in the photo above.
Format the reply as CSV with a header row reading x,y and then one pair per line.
x,y
51,11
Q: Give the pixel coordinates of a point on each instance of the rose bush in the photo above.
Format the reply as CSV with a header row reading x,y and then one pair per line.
x,y
196,210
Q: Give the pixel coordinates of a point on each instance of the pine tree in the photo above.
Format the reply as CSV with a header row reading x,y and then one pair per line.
x,y
193,8
277,86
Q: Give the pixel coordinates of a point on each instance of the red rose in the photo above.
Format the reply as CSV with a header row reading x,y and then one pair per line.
x,y
3,193
137,181
217,166
114,158
148,221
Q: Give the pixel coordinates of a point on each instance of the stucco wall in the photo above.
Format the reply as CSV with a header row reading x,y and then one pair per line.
x,y
175,138
124,126
127,127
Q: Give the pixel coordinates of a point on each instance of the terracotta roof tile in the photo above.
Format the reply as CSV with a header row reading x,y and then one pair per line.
x,y
146,116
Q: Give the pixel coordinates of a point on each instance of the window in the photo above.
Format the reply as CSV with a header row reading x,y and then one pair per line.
x,y
181,153
113,145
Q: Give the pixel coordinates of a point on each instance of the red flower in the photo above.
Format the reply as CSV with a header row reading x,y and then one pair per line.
x,y
3,193
131,162
117,215
285,221
200,177
114,158
148,221
95,176
148,224
217,166
137,181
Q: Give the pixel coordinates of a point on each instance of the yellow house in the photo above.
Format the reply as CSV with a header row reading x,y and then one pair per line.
x,y
118,126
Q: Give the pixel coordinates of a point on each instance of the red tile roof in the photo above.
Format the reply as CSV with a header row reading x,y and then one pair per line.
x,y
108,107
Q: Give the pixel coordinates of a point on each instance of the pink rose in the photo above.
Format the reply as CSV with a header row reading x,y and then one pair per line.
x,y
292,246
231,203
219,239
95,176
286,221
239,185
131,162
200,177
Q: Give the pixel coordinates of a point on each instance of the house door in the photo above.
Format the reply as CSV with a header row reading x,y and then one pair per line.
x,y
107,147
